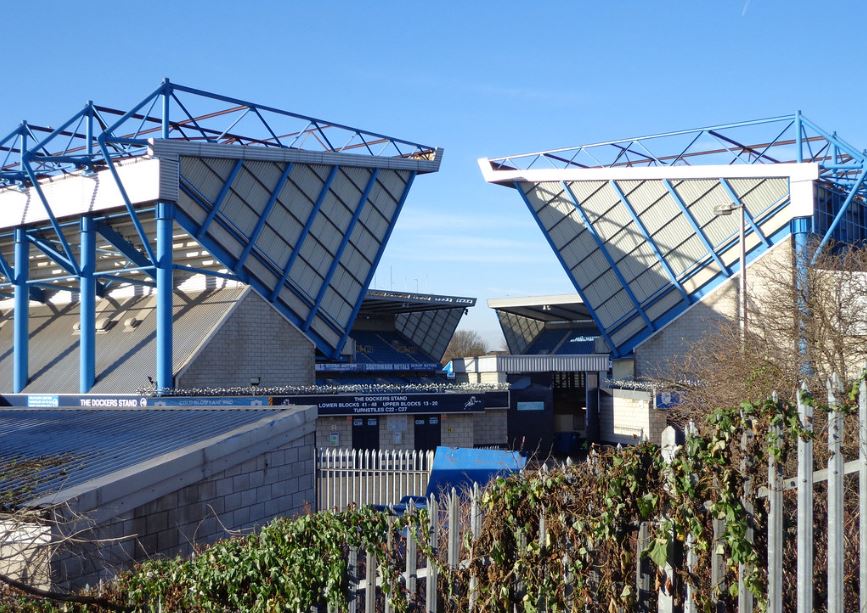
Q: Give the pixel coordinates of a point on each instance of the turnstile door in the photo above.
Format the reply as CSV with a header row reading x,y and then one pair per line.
x,y
427,432
365,433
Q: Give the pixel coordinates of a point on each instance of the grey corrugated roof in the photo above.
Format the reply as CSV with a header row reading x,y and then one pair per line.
x,y
45,450
124,357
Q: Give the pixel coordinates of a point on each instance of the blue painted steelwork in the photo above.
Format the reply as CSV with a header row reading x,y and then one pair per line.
x,y
593,315
207,272
263,217
737,202
218,201
21,315
126,248
190,225
87,299
633,214
800,229
695,227
600,244
859,182
344,241
296,248
49,250
366,286
165,286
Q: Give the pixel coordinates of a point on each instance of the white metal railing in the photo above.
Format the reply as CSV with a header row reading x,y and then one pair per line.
x,y
346,476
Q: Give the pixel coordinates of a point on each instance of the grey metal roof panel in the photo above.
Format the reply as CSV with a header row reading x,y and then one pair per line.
x,y
124,356
61,448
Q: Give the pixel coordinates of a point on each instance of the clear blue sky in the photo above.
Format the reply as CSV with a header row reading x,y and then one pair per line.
x,y
478,79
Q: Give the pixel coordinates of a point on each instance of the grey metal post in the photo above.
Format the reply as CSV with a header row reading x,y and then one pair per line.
x,y
745,597
775,527
370,576
353,580
665,599
862,494
411,553
835,501
805,508
430,598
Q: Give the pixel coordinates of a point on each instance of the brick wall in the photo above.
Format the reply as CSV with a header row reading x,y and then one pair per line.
x,y
341,426
275,483
491,427
255,341
628,416
653,357
457,430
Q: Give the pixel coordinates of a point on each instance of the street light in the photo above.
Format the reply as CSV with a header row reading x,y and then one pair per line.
x,y
723,210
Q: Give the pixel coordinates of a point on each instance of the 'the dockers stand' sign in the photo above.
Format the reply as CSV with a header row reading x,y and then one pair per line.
x,y
384,404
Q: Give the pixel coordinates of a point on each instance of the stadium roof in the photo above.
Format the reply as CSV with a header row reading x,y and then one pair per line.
x,y
297,207
382,301
561,307
633,221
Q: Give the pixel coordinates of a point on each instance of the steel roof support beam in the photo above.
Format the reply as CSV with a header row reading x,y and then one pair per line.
x,y
87,300
699,232
614,350
344,241
737,202
165,291
296,249
126,248
653,246
600,244
221,197
363,293
21,323
840,215
263,217
52,253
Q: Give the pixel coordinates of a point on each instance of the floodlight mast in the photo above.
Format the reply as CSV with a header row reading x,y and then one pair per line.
x,y
723,210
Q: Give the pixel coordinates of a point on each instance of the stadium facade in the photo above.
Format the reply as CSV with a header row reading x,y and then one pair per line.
x,y
643,229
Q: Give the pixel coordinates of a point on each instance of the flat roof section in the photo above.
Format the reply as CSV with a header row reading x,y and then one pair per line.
x,y
58,453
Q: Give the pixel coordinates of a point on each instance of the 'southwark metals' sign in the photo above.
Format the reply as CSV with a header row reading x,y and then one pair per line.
x,y
383,404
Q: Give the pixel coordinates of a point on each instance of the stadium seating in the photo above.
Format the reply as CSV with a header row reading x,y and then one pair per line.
x,y
387,347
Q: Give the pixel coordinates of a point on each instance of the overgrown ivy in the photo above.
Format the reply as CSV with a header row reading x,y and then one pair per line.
x,y
585,559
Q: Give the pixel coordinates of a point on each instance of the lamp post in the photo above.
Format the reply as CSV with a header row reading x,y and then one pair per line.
x,y
728,209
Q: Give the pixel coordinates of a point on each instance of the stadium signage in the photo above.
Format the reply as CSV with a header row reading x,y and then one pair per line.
x,y
389,367
386,404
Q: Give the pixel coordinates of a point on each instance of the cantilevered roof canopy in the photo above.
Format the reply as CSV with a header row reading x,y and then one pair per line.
x,y
561,307
297,207
633,224
428,320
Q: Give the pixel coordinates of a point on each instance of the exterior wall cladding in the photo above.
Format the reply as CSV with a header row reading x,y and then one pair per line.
x,y
254,341
674,340
397,431
276,483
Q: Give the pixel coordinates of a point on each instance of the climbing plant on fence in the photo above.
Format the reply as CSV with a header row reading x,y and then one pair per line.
x,y
563,539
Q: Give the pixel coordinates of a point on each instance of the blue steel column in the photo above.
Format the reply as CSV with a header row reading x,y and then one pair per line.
x,y
21,334
165,223
87,301
800,227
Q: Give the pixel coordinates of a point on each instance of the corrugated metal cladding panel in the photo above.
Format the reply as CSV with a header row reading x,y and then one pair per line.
x,y
320,252
430,330
551,363
519,331
760,194
125,355
80,445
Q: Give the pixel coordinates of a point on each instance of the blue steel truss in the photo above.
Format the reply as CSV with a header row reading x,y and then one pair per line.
x,y
840,215
98,137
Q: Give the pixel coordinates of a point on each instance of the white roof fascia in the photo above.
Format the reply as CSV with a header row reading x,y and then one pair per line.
x,y
807,171
531,301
